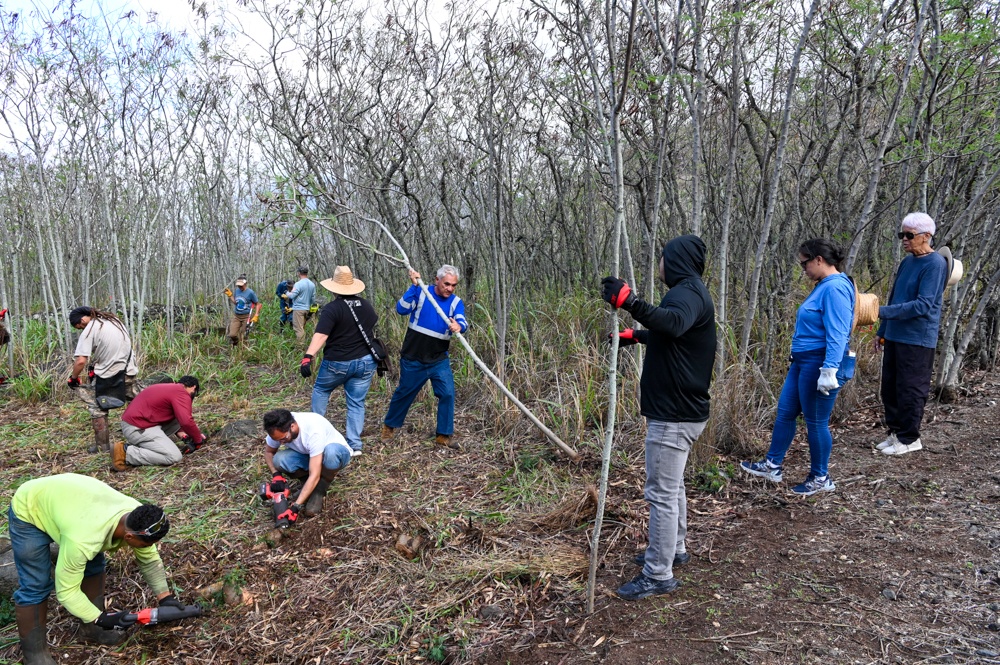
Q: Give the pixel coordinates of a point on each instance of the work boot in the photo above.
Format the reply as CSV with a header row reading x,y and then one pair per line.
x,y
314,504
388,432
93,588
31,630
118,462
101,436
446,441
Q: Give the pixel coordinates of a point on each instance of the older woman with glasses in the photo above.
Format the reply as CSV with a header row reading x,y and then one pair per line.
x,y
822,331
908,332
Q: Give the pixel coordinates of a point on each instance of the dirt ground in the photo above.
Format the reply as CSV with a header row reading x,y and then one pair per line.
x,y
900,565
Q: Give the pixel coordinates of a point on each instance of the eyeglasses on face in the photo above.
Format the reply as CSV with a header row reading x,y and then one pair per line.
x,y
909,235
804,262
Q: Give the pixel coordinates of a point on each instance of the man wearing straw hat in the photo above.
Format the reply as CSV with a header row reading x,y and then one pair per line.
x,y
345,329
908,334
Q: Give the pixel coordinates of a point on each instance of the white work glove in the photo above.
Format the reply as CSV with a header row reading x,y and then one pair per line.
x,y
827,380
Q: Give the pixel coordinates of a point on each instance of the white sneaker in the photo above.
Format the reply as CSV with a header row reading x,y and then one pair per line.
x,y
890,441
355,453
899,448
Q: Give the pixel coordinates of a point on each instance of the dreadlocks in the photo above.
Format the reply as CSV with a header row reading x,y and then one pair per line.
x,y
77,315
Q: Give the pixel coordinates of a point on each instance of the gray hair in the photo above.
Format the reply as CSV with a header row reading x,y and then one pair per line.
x,y
448,269
920,222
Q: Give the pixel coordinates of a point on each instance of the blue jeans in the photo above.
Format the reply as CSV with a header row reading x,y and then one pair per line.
x,y
33,561
799,395
335,456
356,377
413,375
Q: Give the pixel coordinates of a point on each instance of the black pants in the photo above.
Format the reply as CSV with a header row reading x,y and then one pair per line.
x,y
906,382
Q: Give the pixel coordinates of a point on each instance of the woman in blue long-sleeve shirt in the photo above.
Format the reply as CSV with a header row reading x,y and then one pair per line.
x,y
822,331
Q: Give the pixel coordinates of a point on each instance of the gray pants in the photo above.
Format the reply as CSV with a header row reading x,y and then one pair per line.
x,y
667,448
151,446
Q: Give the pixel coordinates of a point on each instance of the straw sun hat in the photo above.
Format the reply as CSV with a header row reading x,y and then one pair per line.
x,y
865,309
343,282
956,270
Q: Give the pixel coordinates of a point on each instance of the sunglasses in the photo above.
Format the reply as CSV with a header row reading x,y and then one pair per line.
x,y
803,263
155,527
909,235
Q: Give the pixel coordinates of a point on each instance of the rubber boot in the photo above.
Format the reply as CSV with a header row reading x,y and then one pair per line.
x,y
314,504
31,629
93,588
101,436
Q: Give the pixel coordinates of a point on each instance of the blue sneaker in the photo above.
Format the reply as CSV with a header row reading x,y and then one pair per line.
x,y
812,485
763,469
644,587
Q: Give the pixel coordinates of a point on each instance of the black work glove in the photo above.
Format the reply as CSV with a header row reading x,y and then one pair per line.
x,y
617,292
305,367
114,621
296,508
190,446
73,382
171,601
278,484
625,338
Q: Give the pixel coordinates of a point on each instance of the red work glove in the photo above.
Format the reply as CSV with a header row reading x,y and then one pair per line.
x,y
3,313
73,382
305,367
617,292
625,337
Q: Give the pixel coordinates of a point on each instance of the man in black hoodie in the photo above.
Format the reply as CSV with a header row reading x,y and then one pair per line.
x,y
676,375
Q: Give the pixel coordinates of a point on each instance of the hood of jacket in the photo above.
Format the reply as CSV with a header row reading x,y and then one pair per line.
x,y
683,257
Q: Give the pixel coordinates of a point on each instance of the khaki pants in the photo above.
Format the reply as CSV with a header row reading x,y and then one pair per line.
x,y
299,324
237,327
85,393
151,446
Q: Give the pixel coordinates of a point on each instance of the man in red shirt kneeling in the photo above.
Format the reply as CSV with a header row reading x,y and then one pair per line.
x,y
157,413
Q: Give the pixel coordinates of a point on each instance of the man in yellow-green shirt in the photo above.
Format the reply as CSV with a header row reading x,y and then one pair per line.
x,y
86,518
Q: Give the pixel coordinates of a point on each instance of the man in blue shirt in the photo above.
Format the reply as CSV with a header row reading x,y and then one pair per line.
x,y
286,309
302,297
424,356
908,333
246,308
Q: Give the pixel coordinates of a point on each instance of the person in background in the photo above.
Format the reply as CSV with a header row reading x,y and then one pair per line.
x,y
86,518
908,332
302,297
674,398
246,309
106,348
424,356
286,309
347,356
822,332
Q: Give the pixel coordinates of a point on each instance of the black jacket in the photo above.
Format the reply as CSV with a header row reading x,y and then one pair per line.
x,y
680,338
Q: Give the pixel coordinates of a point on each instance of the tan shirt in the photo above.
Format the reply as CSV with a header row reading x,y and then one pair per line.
x,y
108,348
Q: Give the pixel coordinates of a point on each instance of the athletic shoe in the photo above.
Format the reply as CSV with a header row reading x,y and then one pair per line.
x,y
890,440
900,448
812,485
644,587
679,559
355,453
763,469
